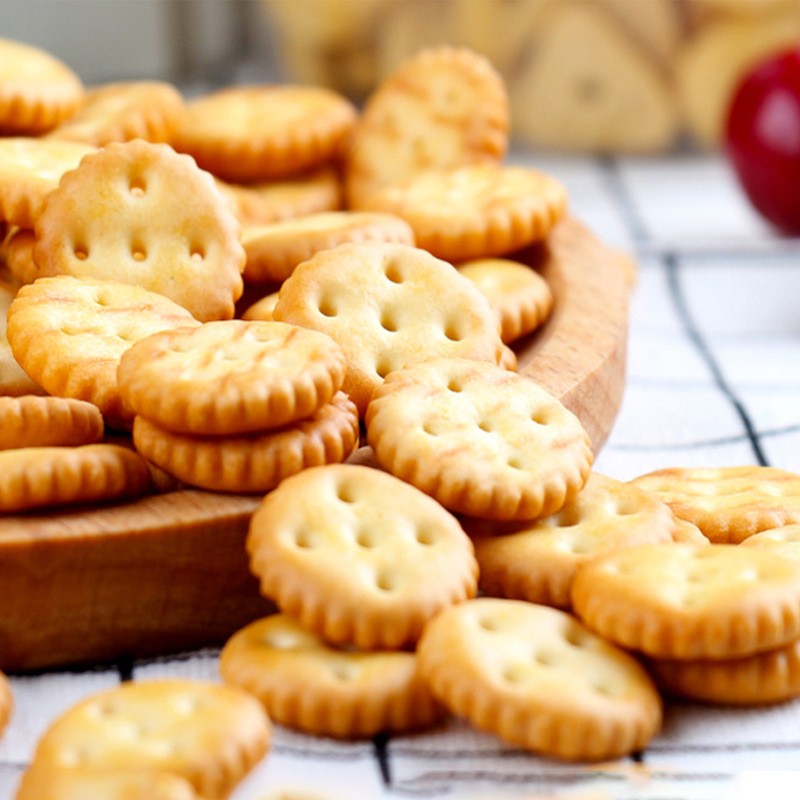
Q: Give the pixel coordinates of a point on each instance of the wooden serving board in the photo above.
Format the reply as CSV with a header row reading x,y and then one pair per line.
x,y
169,573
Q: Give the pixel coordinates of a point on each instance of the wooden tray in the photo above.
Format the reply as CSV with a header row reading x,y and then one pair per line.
x,y
169,573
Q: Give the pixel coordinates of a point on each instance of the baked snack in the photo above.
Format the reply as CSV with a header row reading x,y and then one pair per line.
x,y
260,132
359,557
388,305
14,381
254,462
37,90
482,440
69,334
230,377
312,686
140,213
209,734
34,421
539,679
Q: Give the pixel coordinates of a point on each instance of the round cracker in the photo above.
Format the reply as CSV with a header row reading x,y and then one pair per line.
x,y
140,213
482,440
358,556
32,421
307,684
539,679
230,377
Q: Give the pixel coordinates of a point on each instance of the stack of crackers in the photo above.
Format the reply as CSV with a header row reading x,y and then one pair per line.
x,y
236,292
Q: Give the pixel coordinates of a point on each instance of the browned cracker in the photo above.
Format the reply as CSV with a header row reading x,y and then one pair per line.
x,y
310,685
16,252
32,421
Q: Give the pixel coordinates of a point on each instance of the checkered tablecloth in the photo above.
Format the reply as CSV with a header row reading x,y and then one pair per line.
x,y
713,379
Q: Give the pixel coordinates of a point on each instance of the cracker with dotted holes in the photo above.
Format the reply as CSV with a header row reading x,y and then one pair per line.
x,y
255,462
140,213
769,677
519,296
262,309
388,305
207,733
274,250
43,477
6,702
14,381
538,679
33,421
359,557
29,170
119,112
537,560
475,211
230,377
445,107
728,504
261,132
482,440
37,90
272,201
16,251
689,601
45,782
70,333
309,685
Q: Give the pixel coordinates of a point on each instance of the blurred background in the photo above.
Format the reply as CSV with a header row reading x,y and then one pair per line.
x,y
616,76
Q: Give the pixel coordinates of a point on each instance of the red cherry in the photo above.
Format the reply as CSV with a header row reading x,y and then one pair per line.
x,y
762,138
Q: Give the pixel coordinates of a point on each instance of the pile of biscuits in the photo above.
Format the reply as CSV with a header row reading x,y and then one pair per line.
x,y
234,293
629,76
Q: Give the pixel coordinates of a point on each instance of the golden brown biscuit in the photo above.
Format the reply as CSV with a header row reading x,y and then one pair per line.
x,y
388,305
310,685
261,132
482,440
539,679
14,381
230,377
358,556
255,462
37,90
140,213
32,421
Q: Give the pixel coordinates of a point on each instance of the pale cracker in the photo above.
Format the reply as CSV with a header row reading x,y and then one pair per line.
x,y
443,108
312,686
691,601
29,170
772,676
728,504
69,334
482,440
125,110
45,782
274,250
537,561
538,679
209,734
140,213
32,421
255,462
230,377
252,133
784,540
262,309
520,297
41,477
37,90
477,210
17,254
388,305
358,556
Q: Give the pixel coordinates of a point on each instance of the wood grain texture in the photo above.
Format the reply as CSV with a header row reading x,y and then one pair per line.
x,y
169,573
